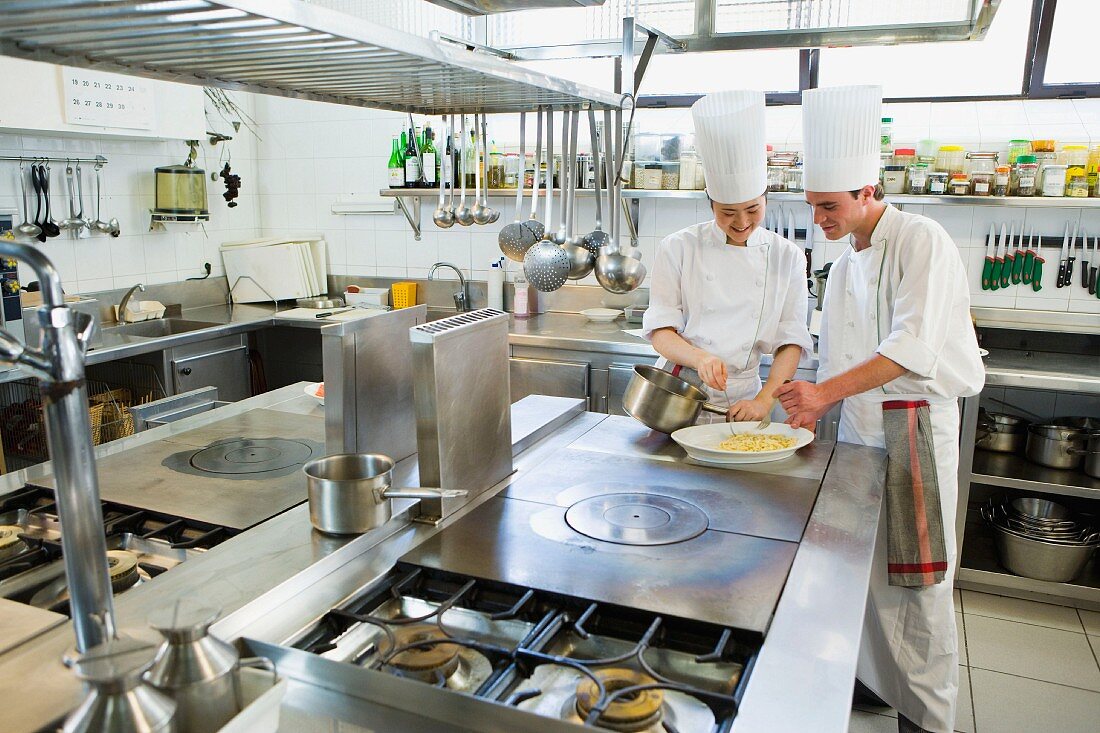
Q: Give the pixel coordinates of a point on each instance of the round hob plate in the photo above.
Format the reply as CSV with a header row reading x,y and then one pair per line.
x,y
247,455
637,519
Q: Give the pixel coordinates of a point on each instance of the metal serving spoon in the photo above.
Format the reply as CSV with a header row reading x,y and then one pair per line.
x,y
532,224
482,214
99,225
443,216
463,214
26,228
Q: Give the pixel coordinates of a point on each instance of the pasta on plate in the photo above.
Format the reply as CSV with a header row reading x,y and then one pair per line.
x,y
756,442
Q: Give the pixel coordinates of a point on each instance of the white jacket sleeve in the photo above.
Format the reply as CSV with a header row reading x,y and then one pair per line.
x,y
929,266
666,301
794,308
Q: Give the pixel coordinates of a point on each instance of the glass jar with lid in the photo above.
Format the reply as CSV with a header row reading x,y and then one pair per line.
x,y
937,182
1054,179
1002,178
951,159
689,161
651,177
958,185
670,176
905,156
1016,148
918,179
1042,146
1027,171
777,178
794,178
981,183
893,179
982,162
1078,187
1092,170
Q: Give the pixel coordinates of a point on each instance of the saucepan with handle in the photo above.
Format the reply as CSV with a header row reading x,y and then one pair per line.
x,y
664,402
349,493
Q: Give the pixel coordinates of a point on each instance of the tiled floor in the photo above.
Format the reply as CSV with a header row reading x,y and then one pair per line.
x,y
1024,667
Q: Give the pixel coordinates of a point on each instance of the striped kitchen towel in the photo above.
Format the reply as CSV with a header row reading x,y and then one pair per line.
x,y
916,553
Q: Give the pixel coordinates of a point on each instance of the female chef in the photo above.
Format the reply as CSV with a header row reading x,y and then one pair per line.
x,y
726,292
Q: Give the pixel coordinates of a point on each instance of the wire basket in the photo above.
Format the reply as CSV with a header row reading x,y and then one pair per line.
x,y
404,294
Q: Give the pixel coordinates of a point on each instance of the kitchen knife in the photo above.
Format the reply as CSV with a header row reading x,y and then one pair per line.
x,y
1086,263
1070,259
1037,270
1060,280
990,253
790,227
998,262
1018,261
1009,258
1093,266
1029,258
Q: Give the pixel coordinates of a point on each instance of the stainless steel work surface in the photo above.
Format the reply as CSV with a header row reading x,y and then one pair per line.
x,y
765,505
625,436
20,622
260,423
719,577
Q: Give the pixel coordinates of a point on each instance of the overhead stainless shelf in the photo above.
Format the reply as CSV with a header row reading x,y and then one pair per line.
x,y
280,47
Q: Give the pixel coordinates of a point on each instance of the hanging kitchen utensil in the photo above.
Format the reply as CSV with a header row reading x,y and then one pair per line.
x,y
515,239
1084,260
1029,259
26,227
482,214
80,198
443,217
1093,264
1009,259
72,221
36,182
1067,280
581,259
616,272
533,224
49,226
990,258
464,215
998,262
494,214
1037,268
546,265
1016,276
1064,255
597,238
559,236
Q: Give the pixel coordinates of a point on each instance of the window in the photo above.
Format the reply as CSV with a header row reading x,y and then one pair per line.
x,y
773,70
989,67
746,16
1068,59
558,26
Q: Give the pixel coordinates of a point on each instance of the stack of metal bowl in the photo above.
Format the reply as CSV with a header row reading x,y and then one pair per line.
x,y
1041,539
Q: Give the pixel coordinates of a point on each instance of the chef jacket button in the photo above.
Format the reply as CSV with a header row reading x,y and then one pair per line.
x,y
756,314
848,357
745,347
759,282
710,277
851,324
874,281
872,316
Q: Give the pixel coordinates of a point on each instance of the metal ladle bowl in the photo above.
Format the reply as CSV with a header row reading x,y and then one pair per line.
x,y
26,228
581,259
546,266
619,273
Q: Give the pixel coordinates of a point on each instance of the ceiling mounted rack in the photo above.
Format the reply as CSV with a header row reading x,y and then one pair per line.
x,y
281,47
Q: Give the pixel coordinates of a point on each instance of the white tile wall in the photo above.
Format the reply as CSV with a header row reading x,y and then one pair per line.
x,y
343,150
100,262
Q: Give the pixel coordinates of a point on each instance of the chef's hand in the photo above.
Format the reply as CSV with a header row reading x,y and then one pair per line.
x,y
748,410
804,402
712,371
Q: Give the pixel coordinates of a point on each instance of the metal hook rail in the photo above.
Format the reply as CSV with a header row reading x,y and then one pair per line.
x,y
99,160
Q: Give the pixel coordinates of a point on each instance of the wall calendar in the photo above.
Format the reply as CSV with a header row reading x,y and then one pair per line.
x,y
104,99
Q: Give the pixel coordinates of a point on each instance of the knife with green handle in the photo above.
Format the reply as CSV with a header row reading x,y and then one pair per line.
x,y
998,262
1037,270
990,253
1029,259
1009,259
1018,261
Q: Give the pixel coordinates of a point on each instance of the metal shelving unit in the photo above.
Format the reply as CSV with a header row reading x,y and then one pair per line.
x,y
281,47
1011,471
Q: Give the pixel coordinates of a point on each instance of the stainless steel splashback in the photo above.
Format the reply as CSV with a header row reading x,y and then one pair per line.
x,y
462,395
369,384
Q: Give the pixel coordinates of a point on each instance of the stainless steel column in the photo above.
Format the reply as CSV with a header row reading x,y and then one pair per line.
x,y
59,363
463,403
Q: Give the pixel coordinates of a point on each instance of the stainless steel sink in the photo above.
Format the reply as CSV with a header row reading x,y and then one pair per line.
x,y
158,328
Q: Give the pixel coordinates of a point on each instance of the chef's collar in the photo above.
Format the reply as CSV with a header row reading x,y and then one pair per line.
x,y
758,237
887,227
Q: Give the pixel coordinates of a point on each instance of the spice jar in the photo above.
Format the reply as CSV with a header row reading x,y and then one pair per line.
x,y
951,159
937,182
905,156
1016,148
1042,146
982,183
893,179
777,178
794,179
1027,171
1078,187
1092,170
918,178
651,177
1001,178
982,162
958,185
670,176
1054,180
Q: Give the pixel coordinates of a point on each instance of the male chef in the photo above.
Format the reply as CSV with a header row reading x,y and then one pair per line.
x,y
897,350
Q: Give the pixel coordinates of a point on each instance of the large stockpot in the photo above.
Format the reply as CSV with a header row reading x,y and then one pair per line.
x,y
349,493
1056,446
1031,557
663,401
1000,432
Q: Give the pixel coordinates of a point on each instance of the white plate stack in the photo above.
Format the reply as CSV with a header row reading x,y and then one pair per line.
x,y
260,270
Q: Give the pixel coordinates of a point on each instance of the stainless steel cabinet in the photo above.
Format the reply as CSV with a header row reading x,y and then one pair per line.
x,y
548,377
618,377
226,368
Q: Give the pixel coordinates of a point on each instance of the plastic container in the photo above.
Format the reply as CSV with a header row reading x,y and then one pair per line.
x,y
1016,148
1078,187
496,287
1042,146
951,159
404,294
794,179
958,185
893,179
651,177
982,183
1092,170
689,161
521,301
937,182
905,156
1002,178
670,176
886,137
1027,174
1054,180
918,179
377,297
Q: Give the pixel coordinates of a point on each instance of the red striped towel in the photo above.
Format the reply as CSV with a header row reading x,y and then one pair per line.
x,y
916,553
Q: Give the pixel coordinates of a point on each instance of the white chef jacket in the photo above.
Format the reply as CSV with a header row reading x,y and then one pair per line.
x,y
906,297
734,302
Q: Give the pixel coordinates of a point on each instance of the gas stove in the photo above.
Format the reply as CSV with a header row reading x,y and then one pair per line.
x,y
558,656
141,545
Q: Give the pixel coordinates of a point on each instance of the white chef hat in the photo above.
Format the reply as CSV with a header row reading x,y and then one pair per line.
x,y
841,128
729,135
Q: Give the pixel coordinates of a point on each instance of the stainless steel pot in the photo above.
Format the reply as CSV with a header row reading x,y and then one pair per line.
x,y
349,493
1000,432
1031,557
1056,446
1092,455
664,402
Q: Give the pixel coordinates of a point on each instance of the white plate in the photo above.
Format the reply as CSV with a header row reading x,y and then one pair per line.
x,y
701,442
601,315
311,390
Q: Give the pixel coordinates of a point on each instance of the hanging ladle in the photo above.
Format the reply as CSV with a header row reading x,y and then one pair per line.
x,y
26,228
443,216
598,237
616,272
482,214
580,257
99,225
494,214
546,265
463,214
515,239
49,226
532,224
73,221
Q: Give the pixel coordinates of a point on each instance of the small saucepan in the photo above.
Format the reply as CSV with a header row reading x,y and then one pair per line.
x,y
349,493
1000,432
663,401
1056,446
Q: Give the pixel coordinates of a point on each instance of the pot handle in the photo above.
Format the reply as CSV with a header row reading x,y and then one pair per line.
x,y
419,493
708,407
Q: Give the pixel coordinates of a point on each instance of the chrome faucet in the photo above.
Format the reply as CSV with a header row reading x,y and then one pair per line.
x,y
59,363
126,301
462,297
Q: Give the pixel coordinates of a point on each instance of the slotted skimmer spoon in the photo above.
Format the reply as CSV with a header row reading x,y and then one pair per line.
x,y
515,238
533,224
598,237
546,265
581,259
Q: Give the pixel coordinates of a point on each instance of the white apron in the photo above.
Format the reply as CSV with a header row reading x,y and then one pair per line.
x,y
909,649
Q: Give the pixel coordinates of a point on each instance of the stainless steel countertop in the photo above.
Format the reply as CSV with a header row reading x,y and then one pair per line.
x,y
1040,370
